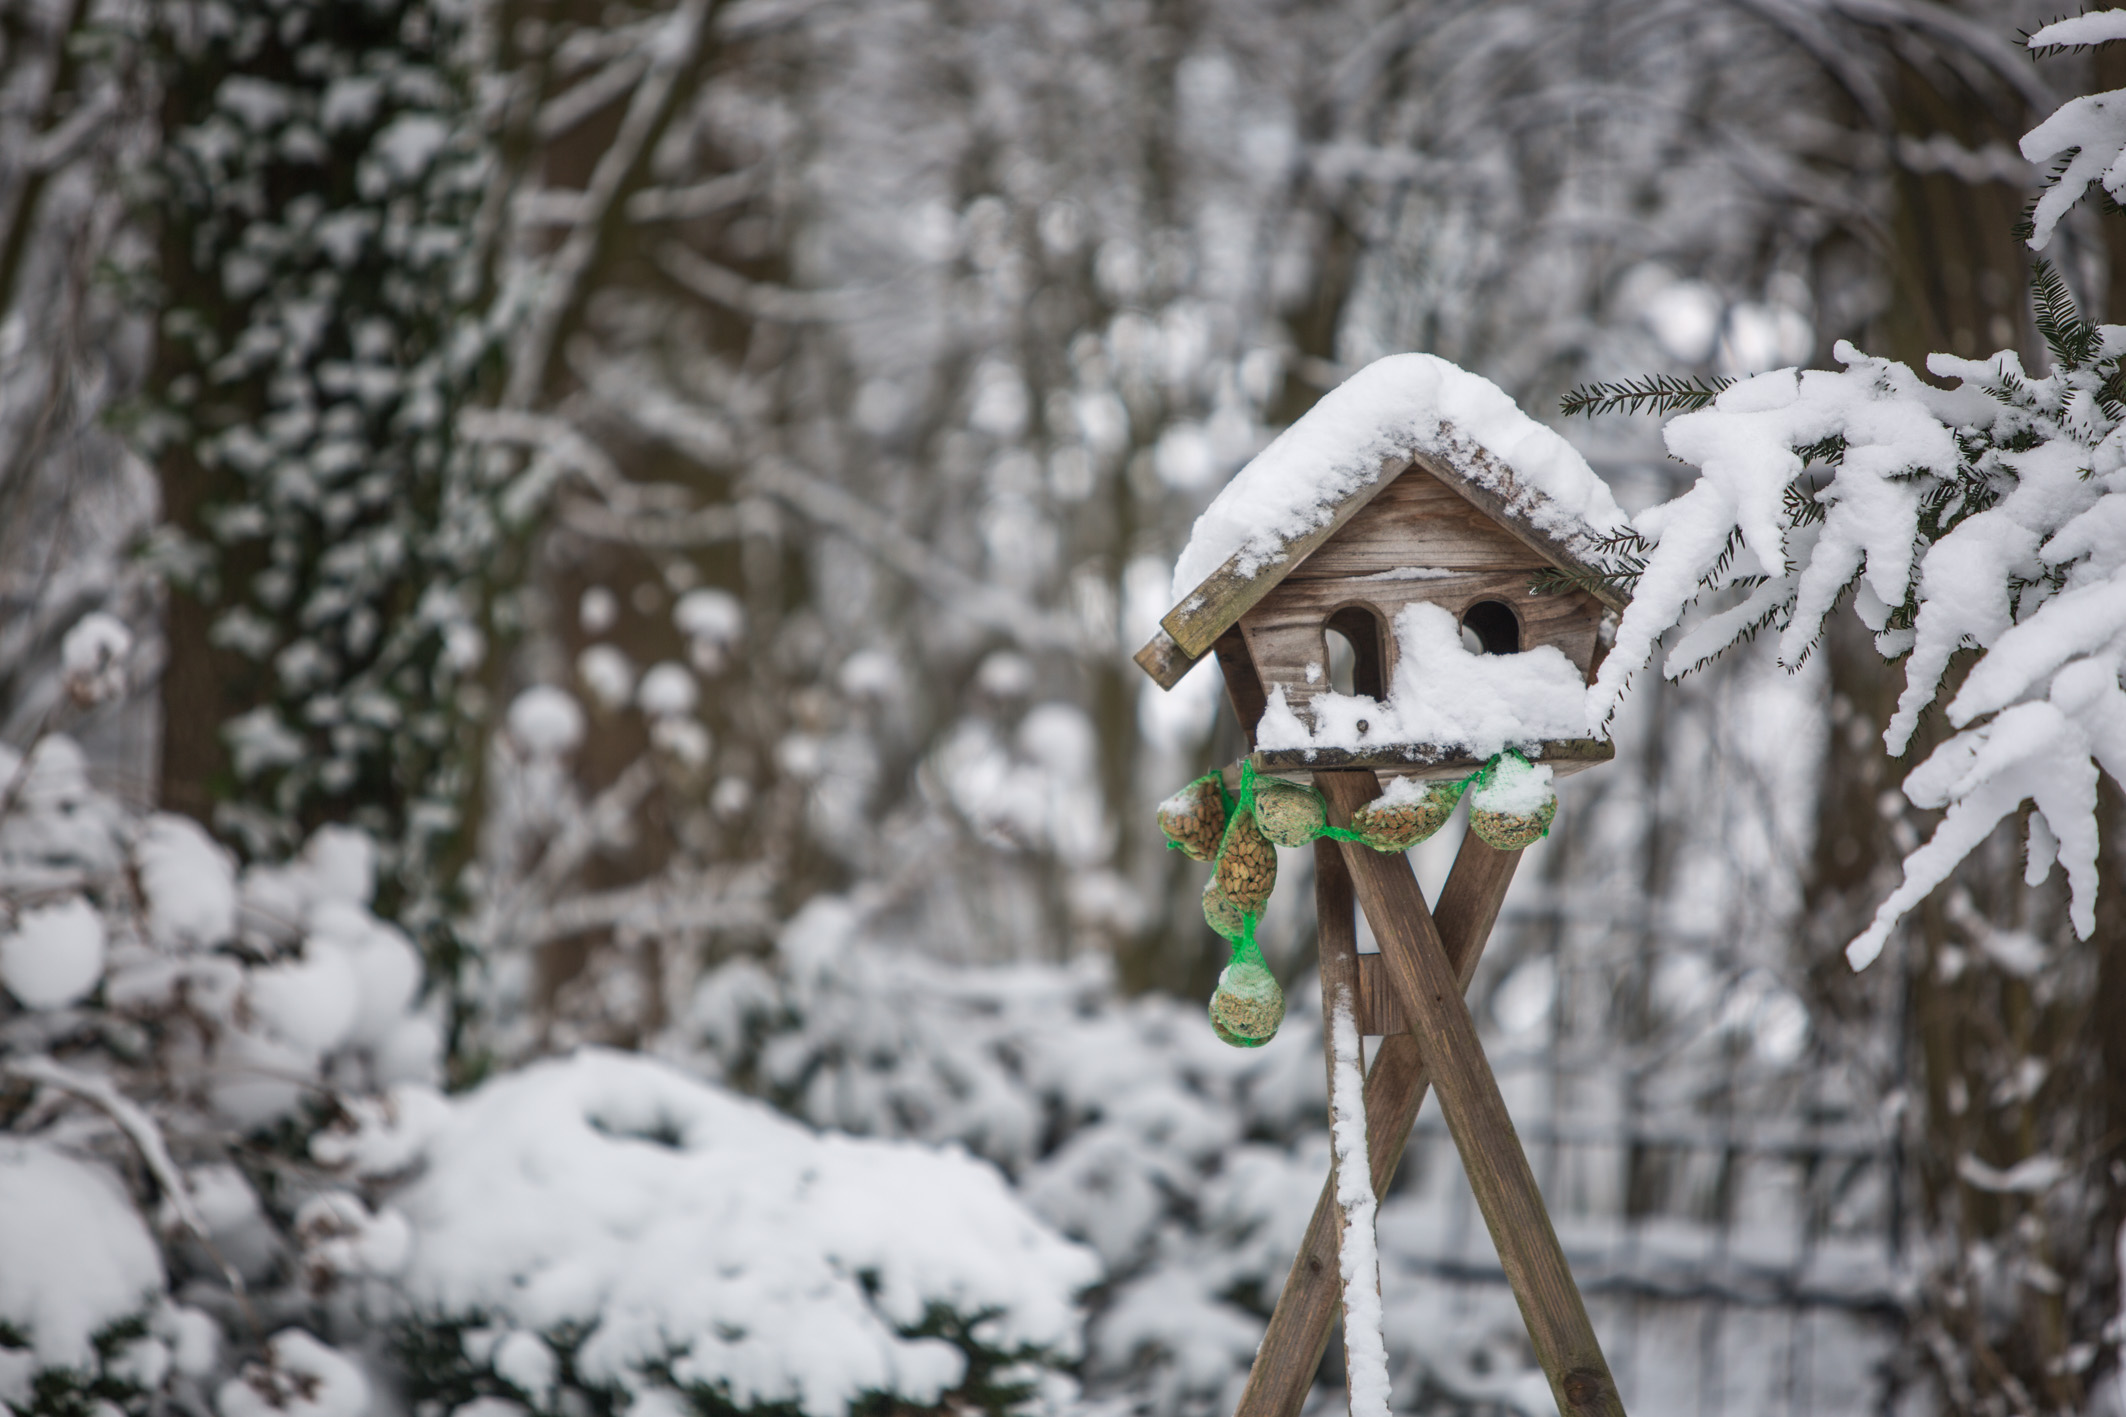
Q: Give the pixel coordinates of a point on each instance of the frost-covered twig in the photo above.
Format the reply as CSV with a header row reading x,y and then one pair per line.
x,y
604,821
695,432
138,1126
755,299
672,50
664,905
579,101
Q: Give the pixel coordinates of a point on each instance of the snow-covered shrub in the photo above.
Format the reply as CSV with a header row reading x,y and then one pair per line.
x,y
219,1121
171,1033
604,1229
1189,1166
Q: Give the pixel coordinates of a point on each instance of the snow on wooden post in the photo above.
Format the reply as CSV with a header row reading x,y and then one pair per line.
x,y
1414,511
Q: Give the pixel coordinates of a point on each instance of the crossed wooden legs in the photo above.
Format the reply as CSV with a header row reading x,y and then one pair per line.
x,y
1429,964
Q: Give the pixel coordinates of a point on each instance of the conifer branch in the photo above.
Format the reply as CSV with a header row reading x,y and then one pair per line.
x,y
1660,393
2074,342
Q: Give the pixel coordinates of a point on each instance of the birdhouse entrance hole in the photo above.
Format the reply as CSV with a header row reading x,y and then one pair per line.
x,y
1358,652
1494,626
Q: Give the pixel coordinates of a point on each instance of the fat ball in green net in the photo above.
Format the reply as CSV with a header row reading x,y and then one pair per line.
x,y
1289,813
1406,813
1247,864
1194,818
1220,913
1513,803
1248,1004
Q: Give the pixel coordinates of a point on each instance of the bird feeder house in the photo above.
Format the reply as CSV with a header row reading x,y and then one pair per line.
x,y
1444,522
1416,513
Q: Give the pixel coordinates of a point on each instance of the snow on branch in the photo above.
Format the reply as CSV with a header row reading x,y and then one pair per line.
x,y
1987,516
2090,130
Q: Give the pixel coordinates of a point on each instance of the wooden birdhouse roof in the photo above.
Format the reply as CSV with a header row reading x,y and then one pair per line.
x,y
1409,411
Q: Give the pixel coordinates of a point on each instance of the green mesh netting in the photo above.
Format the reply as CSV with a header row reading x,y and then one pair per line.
x,y
1248,1004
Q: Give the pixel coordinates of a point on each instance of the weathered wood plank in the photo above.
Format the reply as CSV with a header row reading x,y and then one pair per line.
x,y
1163,660
1494,489
1243,685
1291,1348
1337,931
1498,1171
1380,1011
1285,628
1566,620
1225,595
1416,521
1565,756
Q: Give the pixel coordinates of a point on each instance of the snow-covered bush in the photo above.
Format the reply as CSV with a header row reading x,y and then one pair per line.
x,y
218,1094
171,1033
605,1229
1189,1166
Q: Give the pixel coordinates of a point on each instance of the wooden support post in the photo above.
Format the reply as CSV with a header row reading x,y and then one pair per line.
x,y
1291,1348
1476,1116
1337,931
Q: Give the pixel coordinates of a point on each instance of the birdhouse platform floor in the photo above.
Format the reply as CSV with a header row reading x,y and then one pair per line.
x,y
1564,757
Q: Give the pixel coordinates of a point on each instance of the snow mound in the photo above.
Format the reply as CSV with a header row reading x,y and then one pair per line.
x,y
1395,406
686,1231
545,722
1514,788
54,955
301,1377
74,1255
1443,694
92,658
189,881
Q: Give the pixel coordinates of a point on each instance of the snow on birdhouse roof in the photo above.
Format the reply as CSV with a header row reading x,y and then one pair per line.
x,y
1407,409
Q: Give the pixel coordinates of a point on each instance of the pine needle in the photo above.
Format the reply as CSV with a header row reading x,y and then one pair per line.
x,y
1660,393
2074,342
1621,559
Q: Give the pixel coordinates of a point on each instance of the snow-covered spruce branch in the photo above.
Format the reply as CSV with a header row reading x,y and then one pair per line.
x,y
1990,515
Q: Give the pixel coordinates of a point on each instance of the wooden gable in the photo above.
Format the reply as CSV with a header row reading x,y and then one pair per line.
x,y
1418,540
1452,505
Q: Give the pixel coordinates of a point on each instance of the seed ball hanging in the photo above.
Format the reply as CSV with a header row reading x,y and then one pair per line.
x,y
1220,913
1248,1006
1247,864
1289,813
1406,813
1513,803
1194,818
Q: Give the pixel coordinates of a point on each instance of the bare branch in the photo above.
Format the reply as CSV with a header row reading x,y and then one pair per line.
x,y
600,90
677,42
756,299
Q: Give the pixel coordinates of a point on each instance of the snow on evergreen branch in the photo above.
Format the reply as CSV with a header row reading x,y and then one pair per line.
x,y
1656,393
2089,131
1988,516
